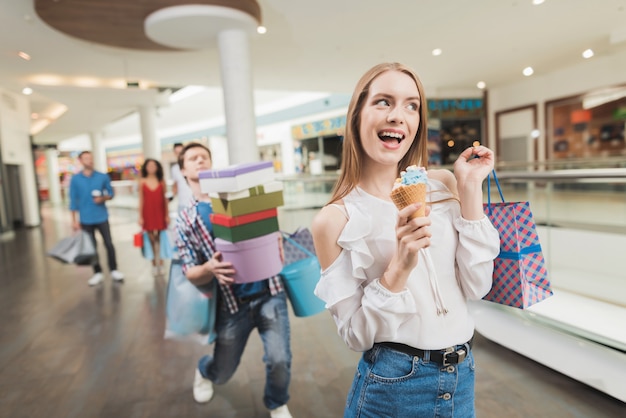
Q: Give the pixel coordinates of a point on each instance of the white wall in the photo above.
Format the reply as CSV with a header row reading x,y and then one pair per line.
x,y
595,73
16,149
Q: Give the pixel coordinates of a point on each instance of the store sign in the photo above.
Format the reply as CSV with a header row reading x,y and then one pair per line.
x,y
455,108
332,126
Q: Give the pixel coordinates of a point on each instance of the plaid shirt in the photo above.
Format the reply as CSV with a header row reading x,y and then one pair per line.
x,y
196,247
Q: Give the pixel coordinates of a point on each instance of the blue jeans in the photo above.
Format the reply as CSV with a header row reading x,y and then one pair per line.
x,y
389,383
269,314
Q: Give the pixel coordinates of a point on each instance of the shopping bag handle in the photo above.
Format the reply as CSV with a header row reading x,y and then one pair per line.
x,y
495,177
300,247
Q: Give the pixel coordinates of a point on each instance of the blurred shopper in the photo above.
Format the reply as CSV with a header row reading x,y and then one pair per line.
x,y
397,287
153,211
180,188
241,307
89,190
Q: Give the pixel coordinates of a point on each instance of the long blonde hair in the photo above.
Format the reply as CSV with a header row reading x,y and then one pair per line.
x,y
353,151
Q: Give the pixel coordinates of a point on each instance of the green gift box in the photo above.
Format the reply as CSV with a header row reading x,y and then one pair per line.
x,y
254,203
246,231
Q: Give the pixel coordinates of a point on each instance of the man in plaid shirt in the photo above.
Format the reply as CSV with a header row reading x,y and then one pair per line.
x,y
241,307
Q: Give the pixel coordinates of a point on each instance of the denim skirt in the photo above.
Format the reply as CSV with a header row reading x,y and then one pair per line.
x,y
392,384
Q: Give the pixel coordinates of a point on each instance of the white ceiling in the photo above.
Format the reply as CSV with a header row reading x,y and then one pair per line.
x,y
322,45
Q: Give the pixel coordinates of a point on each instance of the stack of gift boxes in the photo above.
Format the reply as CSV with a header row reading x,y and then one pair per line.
x,y
245,224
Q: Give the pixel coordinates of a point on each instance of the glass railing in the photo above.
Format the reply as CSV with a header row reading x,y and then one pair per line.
x,y
581,218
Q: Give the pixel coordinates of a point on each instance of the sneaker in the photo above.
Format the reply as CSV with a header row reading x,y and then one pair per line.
x,y
280,412
202,388
117,275
95,279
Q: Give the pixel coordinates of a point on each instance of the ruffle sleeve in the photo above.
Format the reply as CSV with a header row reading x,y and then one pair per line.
x,y
479,245
348,272
364,311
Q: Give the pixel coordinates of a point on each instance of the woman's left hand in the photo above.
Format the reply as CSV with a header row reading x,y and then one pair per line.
x,y
474,164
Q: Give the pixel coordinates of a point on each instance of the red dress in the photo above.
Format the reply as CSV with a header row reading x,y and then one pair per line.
x,y
153,208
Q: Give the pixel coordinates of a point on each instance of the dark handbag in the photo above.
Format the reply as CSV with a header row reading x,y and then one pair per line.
x,y
520,277
78,249
301,272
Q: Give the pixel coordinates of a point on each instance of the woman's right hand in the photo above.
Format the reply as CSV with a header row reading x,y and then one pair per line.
x,y
140,221
412,235
222,270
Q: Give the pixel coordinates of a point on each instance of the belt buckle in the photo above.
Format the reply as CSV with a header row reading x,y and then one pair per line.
x,y
460,355
446,352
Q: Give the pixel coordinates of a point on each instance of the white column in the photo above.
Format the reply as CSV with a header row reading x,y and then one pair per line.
x,y
98,152
54,182
150,144
238,100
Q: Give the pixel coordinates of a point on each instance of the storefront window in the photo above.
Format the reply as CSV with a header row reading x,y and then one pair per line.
x,y
587,126
459,123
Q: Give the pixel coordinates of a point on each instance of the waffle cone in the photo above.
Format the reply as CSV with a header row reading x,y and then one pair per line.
x,y
405,195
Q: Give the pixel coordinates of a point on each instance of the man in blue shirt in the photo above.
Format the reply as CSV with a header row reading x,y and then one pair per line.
x,y
89,190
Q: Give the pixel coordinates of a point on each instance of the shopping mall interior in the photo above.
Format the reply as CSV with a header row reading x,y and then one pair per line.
x,y
541,83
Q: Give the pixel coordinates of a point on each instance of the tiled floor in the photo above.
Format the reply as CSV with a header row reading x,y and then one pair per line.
x,y
68,350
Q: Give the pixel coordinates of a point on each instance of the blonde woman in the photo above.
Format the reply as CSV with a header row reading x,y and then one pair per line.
x,y
397,288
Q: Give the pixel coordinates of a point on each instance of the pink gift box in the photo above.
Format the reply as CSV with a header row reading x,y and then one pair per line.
x,y
254,259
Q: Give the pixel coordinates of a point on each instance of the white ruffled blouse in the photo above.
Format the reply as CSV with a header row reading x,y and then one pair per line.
x,y
431,312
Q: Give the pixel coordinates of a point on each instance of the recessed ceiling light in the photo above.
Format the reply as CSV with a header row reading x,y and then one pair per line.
x,y
535,133
528,71
23,55
538,2
587,53
261,30
437,51
27,91
481,85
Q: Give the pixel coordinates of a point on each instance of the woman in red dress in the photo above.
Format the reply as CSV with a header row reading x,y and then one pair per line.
x,y
153,207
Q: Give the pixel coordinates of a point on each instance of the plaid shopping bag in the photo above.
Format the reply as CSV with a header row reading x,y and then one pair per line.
x,y
520,277
302,237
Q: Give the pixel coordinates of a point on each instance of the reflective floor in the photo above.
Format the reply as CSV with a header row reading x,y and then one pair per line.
x,y
70,350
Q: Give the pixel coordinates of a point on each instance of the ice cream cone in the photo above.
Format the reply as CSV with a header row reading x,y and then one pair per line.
x,y
405,195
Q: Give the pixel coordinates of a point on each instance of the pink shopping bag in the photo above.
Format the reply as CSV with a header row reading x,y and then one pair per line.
x,y
520,277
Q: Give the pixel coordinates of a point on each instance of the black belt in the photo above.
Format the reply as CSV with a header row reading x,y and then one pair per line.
x,y
446,356
250,298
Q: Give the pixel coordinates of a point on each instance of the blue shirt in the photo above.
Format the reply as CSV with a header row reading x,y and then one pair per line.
x,y
82,191
205,210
